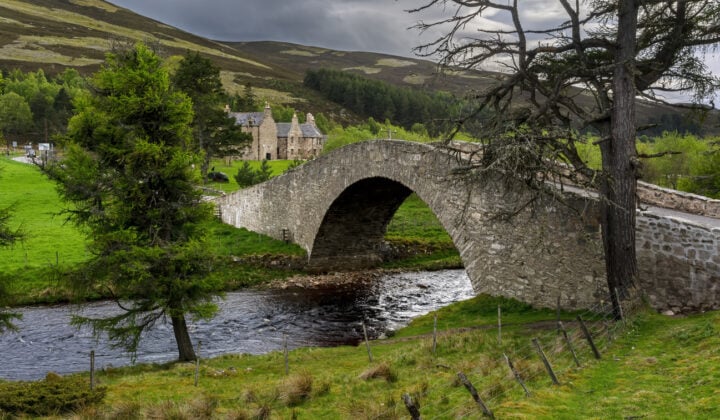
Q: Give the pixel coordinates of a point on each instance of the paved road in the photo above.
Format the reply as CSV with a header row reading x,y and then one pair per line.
x,y
708,222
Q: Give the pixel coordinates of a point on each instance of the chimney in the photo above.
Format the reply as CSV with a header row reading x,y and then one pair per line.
x,y
310,119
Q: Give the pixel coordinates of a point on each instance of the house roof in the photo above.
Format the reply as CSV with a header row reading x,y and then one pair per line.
x,y
242,118
308,130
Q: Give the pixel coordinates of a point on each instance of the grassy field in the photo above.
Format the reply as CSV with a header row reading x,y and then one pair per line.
x,y
50,242
656,368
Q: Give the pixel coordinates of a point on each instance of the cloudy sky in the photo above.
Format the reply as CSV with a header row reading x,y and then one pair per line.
x,y
354,25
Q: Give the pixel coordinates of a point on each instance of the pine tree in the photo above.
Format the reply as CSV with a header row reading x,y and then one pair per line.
x,y
128,175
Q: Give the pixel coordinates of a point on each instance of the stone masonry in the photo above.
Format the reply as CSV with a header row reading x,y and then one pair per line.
x,y
338,206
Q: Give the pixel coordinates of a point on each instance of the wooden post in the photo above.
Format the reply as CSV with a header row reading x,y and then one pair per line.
x,y
607,326
92,370
434,334
197,363
620,308
367,342
499,326
516,375
285,351
588,337
561,327
411,407
557,313
545,361
471,389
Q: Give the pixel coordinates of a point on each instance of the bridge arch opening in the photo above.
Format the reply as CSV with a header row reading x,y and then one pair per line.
x,y
353,230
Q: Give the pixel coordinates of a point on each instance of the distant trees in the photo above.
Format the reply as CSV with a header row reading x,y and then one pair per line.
x,y
216,134
684,162
49,102
15,115
127,173
247,102
380,100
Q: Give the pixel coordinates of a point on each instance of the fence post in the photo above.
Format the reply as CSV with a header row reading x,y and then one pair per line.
x,y
516,374
197,363
588,337
285,351
434,334
561,327
367,342
545,361
499,326
92,370
557,312
471,389
619,303
411,407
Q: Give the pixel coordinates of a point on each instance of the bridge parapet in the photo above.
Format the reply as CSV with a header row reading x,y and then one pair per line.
x,y
678,200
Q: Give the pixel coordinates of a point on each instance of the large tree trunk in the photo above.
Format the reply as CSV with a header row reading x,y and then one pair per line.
x,y
620,165
185,347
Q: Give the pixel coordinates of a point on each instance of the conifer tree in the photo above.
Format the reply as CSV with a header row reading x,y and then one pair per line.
x,y
128,176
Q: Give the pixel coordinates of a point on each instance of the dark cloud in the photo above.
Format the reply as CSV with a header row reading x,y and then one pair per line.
x,y
354,25
360,25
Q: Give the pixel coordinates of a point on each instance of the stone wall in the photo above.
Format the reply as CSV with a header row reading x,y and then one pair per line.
x,y
338,206
678,200
679,263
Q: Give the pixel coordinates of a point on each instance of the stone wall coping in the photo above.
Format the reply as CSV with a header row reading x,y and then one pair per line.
x,y
678,200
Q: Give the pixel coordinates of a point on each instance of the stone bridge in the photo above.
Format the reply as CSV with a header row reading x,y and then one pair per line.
x,y
337,207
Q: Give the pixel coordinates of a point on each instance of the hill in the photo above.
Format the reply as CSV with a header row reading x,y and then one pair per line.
x,y
56,34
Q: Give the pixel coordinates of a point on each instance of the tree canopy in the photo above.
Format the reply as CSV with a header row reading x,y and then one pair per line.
x,y
8,236
215,133
584,69
128,174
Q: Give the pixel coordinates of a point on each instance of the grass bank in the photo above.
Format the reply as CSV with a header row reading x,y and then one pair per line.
x,y
655,367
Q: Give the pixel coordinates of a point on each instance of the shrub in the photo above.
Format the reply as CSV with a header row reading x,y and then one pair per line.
x,y
53,395
296,389
383,370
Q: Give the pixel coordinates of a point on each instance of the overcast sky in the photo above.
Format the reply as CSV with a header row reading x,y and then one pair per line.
x,y
352,25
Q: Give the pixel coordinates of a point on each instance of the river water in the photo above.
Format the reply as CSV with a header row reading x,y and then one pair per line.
x,y
249,321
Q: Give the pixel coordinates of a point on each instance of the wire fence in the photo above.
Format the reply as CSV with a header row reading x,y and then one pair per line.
x,y
511,365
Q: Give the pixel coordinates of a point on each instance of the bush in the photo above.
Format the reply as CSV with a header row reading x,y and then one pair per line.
x,y
247,176
296,389
51,396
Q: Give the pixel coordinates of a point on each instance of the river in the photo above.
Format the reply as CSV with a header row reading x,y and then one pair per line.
x,y
249,321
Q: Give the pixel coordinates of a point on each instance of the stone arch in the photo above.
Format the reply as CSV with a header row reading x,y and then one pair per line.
x,y
354,226
338,205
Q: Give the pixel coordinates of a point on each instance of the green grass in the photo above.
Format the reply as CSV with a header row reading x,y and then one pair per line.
x,y
231,167
657,368
49,243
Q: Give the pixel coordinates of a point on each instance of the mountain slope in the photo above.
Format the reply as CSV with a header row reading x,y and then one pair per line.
x,y
56,34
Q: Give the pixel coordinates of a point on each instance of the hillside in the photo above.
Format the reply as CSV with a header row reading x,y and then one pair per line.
x,y
56,34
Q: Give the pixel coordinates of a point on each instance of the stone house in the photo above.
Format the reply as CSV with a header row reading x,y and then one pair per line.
x,y
273,140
